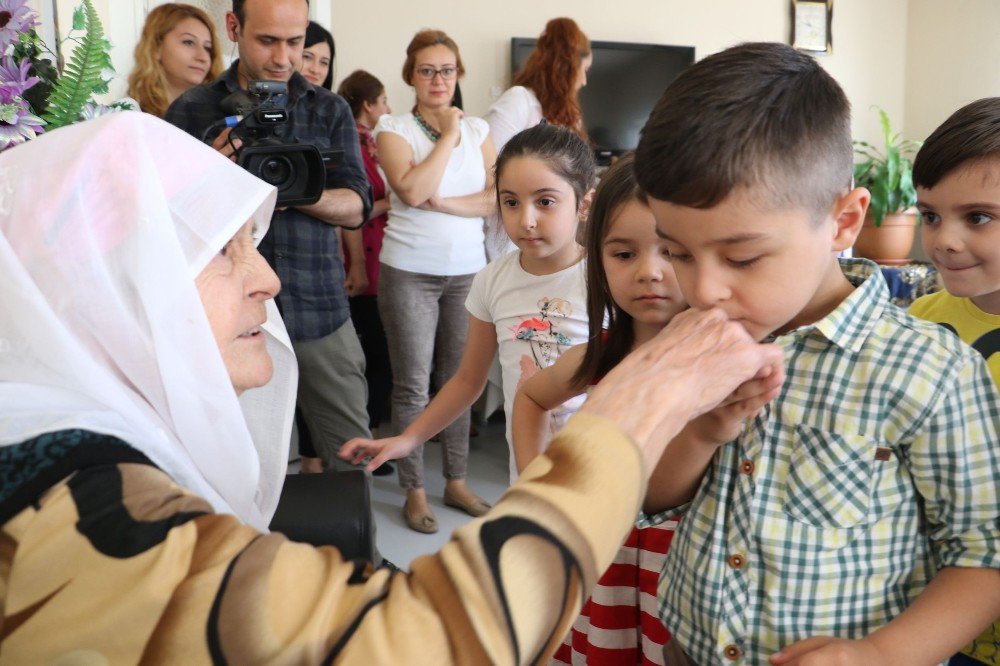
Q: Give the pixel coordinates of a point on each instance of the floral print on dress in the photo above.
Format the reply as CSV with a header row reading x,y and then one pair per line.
x,y
542,335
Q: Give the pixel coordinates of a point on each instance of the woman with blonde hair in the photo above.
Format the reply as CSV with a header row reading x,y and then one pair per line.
x,y
177,51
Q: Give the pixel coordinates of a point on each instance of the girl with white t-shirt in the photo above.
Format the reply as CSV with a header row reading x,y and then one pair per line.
x,y
438,166
530,304
546,89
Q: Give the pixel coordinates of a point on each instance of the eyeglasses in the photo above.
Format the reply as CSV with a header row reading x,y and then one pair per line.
x,y
428,73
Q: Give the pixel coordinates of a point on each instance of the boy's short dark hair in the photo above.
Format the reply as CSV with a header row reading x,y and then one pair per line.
x,y
757,115
970,134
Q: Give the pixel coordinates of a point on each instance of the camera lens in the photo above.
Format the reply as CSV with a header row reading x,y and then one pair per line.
x,y
276,170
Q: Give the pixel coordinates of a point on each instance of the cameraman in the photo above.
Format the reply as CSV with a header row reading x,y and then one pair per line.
x,y
301,244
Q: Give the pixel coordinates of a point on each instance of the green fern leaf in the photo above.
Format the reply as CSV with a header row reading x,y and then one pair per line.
x,y
82,74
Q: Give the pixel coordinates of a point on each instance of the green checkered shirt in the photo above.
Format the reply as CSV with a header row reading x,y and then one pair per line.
x,y
878,464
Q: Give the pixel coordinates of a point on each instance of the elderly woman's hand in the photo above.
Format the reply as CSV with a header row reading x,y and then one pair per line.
x,y
685,371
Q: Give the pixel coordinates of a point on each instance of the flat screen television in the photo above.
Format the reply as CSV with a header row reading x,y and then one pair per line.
x,y
624,83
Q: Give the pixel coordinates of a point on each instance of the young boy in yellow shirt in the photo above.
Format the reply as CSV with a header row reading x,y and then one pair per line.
x,y
957,175
850,518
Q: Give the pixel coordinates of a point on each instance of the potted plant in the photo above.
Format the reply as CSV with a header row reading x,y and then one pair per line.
x,y
887,173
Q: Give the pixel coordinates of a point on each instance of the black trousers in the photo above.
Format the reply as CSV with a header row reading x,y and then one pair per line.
x,y
368,324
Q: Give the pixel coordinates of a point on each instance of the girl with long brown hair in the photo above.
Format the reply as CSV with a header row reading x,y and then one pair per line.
x,y
545,89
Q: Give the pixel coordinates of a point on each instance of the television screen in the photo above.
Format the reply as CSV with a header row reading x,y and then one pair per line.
x,y
624,83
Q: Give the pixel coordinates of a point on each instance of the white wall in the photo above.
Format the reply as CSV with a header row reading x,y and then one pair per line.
x,y
869,42
374,37
951,59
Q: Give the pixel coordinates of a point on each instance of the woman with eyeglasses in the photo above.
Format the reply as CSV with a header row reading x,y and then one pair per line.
x,y
439,165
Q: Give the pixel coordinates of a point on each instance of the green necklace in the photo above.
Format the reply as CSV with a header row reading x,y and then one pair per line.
x,y
431,133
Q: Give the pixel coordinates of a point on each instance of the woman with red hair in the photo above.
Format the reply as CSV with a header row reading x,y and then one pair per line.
x,y
547,85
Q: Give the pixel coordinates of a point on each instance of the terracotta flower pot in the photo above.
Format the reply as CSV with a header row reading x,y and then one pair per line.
x,y
890,243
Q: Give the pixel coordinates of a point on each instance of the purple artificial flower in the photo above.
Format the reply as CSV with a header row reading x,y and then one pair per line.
x,y
17,123
93,110
15,17
14,77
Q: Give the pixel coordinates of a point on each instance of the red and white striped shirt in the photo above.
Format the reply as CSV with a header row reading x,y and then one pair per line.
x,y
620,622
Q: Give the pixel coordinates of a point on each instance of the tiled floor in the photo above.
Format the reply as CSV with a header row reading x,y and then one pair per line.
x,y
488,477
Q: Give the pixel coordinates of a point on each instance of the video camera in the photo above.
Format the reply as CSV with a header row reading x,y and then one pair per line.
x,y
298,170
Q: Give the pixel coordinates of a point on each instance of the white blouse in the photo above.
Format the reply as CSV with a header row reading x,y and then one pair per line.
x,y
432,242
514,111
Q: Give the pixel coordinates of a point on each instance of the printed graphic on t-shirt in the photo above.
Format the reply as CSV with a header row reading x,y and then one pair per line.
x,y
987,344
542,335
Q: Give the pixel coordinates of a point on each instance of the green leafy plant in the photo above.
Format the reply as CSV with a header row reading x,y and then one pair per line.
x,y
34,96
83,76
886,172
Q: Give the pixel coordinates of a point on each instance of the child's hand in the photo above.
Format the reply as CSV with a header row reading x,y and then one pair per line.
x,y
380,450
829,651
723,424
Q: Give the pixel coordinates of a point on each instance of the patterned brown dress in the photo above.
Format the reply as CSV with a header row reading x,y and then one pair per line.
x,y
103,559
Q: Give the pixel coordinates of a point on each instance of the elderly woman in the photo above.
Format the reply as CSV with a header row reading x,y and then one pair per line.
x,y
439,165
141,347
178,50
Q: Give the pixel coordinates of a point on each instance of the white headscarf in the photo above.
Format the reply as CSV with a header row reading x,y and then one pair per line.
x,y
103,227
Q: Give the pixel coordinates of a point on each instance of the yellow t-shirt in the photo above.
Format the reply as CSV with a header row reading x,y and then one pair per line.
x,y
981,330
976,327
